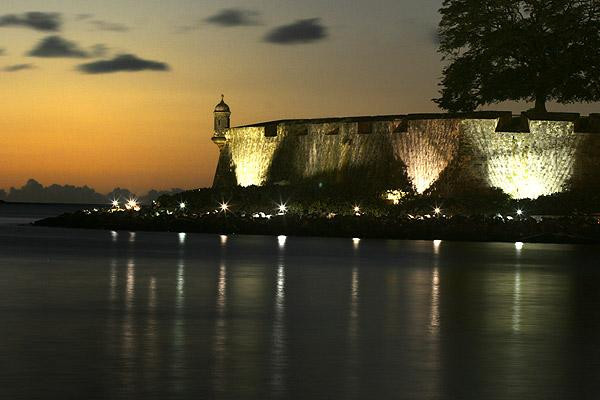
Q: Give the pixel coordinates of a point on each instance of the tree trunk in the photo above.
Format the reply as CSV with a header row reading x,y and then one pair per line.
x,y
540,104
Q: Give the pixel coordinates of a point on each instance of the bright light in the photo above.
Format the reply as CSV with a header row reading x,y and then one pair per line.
x,y
355,243
224,207
223,239
426,149
437,210
281,240
132,204
356,209
518,245
394,196
252,154
282,208
115,203
519,212
182,205
181,237
436,246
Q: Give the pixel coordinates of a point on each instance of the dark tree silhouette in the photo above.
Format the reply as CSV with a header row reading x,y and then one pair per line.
x,y
533,50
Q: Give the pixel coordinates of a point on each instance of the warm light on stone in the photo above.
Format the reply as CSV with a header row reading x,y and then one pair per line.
x,y
252,154
525,164
427,149
422,148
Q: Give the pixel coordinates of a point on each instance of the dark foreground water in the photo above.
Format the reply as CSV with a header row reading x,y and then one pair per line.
x,y
116,315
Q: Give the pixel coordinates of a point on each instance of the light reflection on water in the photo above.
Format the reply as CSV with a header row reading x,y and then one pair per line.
x,y
129,335
220,334
279,344
353,379
516,317
435,301
166,315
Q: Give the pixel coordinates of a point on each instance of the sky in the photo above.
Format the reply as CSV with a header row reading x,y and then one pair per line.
x,y
121,93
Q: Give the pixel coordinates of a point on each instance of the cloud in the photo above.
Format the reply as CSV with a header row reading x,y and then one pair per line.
x,y
18,67
39,21
109,26
35,192
56,46
99,50
2,51
81,17
122,62
230,17
300,32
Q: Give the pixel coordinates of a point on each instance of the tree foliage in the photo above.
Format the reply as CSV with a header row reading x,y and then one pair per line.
x,y
533,50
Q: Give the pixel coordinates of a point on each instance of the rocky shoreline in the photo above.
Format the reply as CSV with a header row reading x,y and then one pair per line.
x,y
571,229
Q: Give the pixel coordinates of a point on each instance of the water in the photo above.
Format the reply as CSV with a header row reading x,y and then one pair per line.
x,y
25,213
97,314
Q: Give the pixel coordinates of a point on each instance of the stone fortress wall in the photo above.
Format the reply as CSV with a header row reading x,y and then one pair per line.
x,y
525,156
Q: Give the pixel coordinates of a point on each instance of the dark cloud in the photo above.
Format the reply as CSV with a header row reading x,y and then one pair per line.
x,y
81,17
299,32
109,26
56,46
122,62
18,67
98,50
35,192
40,21
231,17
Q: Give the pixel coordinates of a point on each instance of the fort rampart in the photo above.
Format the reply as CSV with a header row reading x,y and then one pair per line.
x,y
526,155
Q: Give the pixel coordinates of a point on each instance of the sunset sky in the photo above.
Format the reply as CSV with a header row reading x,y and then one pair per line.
x,y
69,113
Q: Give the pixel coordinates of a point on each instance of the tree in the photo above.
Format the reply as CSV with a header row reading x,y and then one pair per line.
x,y
533,50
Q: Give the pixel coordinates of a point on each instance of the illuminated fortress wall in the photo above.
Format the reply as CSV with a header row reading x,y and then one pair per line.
x,y
426,149
538,157
525,164
251,153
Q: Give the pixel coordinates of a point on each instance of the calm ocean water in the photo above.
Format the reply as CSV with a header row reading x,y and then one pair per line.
x,y
88,314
